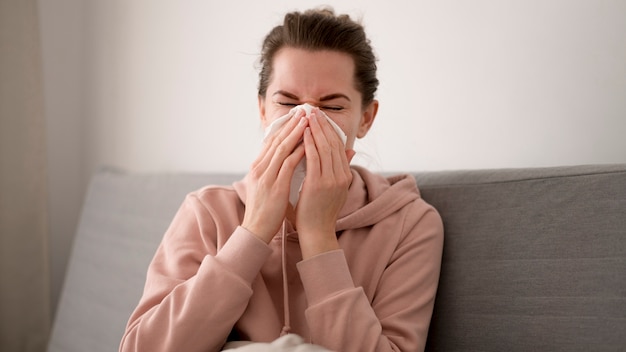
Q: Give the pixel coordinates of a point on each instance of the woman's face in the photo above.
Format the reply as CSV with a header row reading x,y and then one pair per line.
x,y
324,79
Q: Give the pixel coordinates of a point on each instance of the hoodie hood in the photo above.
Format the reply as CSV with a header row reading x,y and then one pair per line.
x,y
371,197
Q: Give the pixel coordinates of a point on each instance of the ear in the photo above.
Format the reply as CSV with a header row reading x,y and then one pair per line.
x,y
262,110
367,119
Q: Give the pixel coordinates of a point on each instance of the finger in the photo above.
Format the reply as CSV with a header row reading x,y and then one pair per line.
x,y
312,155
339,167
350,153
278,136
329,146
285,174
321,157
289,137
270,140
328,128
281,144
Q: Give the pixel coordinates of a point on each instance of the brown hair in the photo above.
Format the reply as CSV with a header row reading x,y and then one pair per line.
x,y
321,29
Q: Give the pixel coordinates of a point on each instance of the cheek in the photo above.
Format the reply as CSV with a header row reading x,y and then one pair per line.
x,y
272,113
350,141
279,111
348,128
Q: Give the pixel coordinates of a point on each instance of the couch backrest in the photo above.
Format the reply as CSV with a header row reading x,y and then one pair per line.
x,y
123,220
534,259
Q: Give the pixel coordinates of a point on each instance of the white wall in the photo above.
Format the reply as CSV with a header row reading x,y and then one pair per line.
x,y
171,86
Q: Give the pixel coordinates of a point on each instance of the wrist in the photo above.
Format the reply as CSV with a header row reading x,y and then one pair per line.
x,y
313,243
257,232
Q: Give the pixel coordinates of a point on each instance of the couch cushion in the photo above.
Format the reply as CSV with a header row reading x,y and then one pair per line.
x,y
123,220
534,259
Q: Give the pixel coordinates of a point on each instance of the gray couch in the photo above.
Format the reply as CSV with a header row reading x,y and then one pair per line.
x,y
534,259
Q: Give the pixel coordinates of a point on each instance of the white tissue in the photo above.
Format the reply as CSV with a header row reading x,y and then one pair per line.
x,y
300,171
279,122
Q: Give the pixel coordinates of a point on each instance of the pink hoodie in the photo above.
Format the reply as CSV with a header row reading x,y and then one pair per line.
x,y
211,280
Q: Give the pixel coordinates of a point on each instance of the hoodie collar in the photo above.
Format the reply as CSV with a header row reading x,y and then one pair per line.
x,y
371,197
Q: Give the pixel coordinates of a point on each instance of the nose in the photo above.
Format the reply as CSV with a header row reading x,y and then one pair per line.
x,y
308,108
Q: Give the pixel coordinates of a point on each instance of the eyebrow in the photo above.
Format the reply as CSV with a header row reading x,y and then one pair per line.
x,y
324,98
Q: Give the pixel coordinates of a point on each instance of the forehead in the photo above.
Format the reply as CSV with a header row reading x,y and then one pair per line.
x,y
300,68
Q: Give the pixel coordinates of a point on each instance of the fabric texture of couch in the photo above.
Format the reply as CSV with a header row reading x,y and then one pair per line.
x,y
534,259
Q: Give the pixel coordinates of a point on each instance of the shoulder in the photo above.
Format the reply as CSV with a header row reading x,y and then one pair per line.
x,y
215,198
210,191
422,223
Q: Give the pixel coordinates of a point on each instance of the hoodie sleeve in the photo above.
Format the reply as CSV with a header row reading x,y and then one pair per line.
x,y
340,315
185,281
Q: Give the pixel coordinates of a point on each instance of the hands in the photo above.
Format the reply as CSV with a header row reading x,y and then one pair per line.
x,y
325,187
270,177
324,191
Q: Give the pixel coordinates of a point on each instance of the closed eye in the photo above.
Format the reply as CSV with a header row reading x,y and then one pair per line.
x,y
332,108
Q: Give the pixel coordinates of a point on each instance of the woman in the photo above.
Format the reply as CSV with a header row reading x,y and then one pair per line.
x,y
352,265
